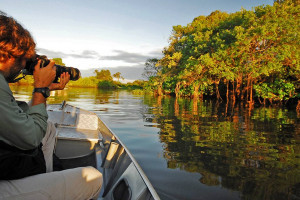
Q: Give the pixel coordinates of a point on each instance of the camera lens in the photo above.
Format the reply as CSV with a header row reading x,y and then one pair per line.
x,y
74,72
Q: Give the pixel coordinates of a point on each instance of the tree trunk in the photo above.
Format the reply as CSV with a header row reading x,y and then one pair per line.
x,y
250,101
227,93
177,89
159,100
195,106
247,89
260,101
196,90
243,90
298,106
238,87
159,90
176,107
233,91
251,92
201,95
217,91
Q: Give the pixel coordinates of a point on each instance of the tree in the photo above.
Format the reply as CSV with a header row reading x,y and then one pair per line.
x,y
58,61
103,75
151,69
118,76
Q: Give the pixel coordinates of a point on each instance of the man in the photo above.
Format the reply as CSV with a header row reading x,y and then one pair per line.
x,y
26,139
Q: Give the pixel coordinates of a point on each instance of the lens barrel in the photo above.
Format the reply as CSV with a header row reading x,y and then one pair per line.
x,y
29,68
74,72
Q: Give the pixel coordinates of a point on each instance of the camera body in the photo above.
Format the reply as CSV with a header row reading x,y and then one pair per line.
x,y
29,68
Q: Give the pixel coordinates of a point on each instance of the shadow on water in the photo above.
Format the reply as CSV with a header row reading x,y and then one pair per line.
x,y
192,149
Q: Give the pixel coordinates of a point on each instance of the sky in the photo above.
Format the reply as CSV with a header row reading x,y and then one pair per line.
x,y
119,35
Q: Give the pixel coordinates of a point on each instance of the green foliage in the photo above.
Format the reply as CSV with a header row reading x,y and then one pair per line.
x,y
137,92
106,85
278,90
103,75
137,84
169,85
84,82
152,84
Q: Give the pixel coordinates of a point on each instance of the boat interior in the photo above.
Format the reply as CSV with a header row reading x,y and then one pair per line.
x,y
84,140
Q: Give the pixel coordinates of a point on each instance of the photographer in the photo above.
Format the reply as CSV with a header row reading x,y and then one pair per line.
x,y
26,138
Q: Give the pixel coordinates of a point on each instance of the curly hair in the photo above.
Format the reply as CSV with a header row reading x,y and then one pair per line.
x,y
15,41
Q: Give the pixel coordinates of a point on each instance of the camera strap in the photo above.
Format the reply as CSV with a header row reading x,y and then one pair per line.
x,y
17,79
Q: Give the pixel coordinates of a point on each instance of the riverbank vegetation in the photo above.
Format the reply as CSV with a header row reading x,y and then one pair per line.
x,y
242,56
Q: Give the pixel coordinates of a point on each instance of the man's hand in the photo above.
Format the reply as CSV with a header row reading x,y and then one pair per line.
x,y
43,77
64,79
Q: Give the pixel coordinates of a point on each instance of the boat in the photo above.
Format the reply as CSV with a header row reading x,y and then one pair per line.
x,y
83,139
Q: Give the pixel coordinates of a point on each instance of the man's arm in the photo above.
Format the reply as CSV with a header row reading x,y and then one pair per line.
x,y
23,130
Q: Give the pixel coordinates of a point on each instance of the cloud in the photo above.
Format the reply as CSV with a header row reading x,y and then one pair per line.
x,y
59,54
132,73
131,57
89,53
156,53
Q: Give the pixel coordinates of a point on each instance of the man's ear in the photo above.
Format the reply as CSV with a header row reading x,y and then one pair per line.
x,y
11,60
6,63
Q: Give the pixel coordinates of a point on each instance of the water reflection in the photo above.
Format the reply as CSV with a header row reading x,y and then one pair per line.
x,y
193,149
255,154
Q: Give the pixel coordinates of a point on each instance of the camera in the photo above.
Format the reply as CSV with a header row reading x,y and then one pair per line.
x,y
29,68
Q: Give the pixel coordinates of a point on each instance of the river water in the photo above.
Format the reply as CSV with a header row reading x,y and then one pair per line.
x,y
192,149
